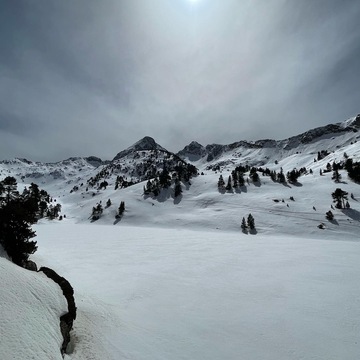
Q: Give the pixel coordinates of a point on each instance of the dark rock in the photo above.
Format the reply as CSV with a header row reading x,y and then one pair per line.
x,y
30,265
66,320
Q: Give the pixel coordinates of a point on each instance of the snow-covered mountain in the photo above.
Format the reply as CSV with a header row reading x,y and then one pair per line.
x,y
260,152
144,158
145,144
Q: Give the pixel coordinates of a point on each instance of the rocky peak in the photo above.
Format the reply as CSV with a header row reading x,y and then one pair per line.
x,y
146,143
194,151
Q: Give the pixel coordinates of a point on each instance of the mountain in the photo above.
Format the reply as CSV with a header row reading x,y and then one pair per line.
x,y
329,137
80,183
146,143
146,160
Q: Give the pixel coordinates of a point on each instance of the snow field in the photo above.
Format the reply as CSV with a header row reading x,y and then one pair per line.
x,y
184,294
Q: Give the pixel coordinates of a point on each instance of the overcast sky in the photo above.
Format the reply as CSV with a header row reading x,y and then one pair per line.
x,y
91,77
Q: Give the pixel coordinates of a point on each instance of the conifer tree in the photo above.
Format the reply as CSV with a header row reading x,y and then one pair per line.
x,y
329,215
177,189
281,176
336,176
241,179
254,175
243,225
16,218
121,208
221,182
228,186
251,222
339,196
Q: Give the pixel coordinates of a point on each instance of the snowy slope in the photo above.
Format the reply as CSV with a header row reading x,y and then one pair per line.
x,y
202,206
31,305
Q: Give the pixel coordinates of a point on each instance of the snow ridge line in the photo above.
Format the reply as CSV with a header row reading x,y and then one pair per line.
x,y
66,320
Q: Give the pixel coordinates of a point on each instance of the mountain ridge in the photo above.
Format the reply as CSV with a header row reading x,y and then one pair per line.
x,y
195,151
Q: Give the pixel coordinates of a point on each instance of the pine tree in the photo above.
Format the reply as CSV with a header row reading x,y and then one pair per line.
x,y
336,176
251,222
165,179
254,175
329,215
16,218
121,208
96,212
221,183
243,225
339,196
235,179
228,186
241,179
281,176
9,189
177,189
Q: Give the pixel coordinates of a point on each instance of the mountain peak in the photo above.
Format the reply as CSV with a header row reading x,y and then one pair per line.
x,y
194,151
146,143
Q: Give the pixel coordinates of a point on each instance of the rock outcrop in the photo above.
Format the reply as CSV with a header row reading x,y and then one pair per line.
x,y
66,320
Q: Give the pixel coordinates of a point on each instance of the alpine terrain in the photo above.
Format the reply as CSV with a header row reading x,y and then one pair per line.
x,y
248,250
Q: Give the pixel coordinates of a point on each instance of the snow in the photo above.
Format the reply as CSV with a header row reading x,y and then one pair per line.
x,y
31,306
185,294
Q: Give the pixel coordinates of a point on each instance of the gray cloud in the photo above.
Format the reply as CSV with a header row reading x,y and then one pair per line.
x,y
91,77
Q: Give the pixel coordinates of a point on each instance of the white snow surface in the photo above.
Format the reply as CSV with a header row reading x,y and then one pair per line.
x,y
31,305
152,293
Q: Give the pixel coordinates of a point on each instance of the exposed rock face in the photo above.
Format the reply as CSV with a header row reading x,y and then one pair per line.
x,y
66,320
146,143
214,151
94,161
357,121
194,151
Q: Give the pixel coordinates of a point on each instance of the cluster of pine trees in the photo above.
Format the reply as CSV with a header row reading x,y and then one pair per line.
x,y
248,224
97,210
164,180
18,211
123,183
150,168
237,179
353,170
321,154
352,167
237,176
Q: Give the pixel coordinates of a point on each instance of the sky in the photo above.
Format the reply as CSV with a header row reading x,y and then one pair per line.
x,y
89,77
